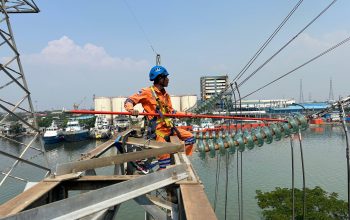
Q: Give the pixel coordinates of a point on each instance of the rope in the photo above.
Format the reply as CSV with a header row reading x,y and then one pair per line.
x,y
226,182
303,171
241,184
238,189
227,163
342,117
293,190
302,65
236,125
217,180
240,102
140,26
245,68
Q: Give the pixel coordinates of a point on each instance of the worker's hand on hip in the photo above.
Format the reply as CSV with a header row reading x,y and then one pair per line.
x,y
135,112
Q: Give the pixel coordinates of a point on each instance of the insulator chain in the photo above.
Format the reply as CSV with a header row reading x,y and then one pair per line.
x,y
208,104
230,141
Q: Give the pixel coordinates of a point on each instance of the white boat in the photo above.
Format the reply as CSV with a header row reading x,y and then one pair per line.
x,y
53,134
180,123
121,123
12,129
75,132
102,128
206,124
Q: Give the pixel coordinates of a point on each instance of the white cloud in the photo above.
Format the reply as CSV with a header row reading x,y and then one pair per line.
x,y
325,41
66,53
71,71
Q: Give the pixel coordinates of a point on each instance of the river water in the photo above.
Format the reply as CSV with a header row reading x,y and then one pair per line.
x,y
264,168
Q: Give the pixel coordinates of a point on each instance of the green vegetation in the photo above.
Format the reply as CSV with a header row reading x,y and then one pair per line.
x,y
320,205
89,123
44,121
16,128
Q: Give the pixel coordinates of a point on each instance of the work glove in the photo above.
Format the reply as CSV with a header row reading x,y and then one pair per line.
x,y
135,112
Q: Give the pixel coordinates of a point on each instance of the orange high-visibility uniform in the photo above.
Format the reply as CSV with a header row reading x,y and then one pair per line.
x,y
163,128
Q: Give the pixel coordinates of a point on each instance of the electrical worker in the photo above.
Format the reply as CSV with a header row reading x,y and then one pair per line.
x,y
155,99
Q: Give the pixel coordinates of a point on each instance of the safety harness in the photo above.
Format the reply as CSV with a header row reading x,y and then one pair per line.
x,y
161,110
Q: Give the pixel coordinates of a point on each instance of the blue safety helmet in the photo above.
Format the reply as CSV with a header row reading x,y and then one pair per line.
x,y
156,71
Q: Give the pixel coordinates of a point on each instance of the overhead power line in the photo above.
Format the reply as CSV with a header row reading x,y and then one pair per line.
x,y
291,40
302,65
250,62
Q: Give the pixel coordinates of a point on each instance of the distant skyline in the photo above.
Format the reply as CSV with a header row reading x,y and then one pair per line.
x,y
72,50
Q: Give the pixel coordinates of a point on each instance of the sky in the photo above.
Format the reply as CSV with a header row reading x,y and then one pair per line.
x,y
73,50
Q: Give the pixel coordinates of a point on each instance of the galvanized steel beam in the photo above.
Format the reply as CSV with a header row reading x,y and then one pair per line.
x,y
118,159
97,200
151,208
24,161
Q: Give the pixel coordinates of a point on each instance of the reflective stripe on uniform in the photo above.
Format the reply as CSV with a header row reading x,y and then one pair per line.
x,y
160,134
164,163
163,110
190,141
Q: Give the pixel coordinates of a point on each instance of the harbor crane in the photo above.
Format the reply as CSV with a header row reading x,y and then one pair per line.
x,y
76,105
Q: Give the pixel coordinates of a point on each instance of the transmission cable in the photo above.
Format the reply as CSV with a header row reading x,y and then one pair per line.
x,y
284,46
140,26
251,61
235,103
267,61
302,65
240,103
241,154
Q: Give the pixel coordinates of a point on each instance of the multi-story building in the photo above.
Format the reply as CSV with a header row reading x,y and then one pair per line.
x,y
211,85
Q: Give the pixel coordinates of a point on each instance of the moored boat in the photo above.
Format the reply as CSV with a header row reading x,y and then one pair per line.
x,y
121,123
102,128
53,134
74,132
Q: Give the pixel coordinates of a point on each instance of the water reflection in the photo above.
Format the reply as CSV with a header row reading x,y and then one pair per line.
x,y
264,168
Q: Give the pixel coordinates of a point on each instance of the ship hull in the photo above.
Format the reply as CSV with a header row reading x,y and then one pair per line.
x,y
76,136
52,139
100,134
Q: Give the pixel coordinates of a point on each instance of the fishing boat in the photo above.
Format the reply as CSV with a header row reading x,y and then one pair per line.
x,y
74,132
102,128
53,134
11,129
121,123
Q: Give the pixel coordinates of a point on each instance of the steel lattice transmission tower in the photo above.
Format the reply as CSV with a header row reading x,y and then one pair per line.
x,y
15,103
330,96
301,97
